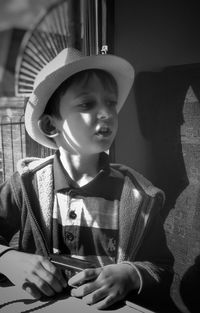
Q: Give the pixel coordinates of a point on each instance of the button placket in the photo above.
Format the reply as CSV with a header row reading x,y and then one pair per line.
x,y
72,210
74,217
75,208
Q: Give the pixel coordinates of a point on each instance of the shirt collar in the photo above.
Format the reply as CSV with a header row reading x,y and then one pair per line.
x,y
62,180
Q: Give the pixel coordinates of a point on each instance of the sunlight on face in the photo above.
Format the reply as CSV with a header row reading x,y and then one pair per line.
x,y
89,117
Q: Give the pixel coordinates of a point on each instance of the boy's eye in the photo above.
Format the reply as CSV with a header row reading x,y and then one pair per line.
x,y
86,105
112,103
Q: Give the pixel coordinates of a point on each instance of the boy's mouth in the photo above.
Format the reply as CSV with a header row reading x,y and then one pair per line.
x,y
103,131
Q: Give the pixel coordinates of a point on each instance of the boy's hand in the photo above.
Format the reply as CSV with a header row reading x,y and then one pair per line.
x,y
33,273
104,286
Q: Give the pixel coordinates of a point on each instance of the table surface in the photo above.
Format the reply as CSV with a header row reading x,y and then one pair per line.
x,y
15,300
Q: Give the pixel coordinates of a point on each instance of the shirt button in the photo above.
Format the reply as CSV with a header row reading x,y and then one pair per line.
x,y
72,214
69,236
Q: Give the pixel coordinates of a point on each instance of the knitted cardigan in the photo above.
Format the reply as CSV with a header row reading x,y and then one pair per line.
x,y
26,202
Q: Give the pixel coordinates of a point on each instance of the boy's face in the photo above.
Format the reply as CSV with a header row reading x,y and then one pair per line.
x,y
89,117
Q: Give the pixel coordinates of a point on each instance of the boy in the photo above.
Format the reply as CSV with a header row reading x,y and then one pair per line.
x,y
76,203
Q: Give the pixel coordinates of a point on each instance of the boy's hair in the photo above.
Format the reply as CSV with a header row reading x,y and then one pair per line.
x,y
107,80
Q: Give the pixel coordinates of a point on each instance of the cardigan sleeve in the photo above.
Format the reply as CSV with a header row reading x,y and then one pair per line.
x,y
145,243
142,238
10,209
9,214
155,263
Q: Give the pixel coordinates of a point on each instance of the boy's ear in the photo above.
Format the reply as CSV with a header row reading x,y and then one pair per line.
x,y
47,127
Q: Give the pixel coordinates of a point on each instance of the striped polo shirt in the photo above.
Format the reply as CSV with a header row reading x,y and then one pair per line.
x,y
85,219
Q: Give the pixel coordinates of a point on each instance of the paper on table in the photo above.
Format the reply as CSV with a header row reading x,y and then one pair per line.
x,y
138,307
15,300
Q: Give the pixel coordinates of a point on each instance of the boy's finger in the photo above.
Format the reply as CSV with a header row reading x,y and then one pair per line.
x,y
83,276
55,272
46,281
46,288
95,295
32,290
84,289
106,302
50,280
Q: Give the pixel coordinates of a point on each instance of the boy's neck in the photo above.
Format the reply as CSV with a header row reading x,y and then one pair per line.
x,y
82,169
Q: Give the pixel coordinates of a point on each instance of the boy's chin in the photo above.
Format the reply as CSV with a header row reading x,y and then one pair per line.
x,y
105,148
95,149
104,145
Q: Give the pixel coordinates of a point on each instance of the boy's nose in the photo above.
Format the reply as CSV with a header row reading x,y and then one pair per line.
x,y
104,113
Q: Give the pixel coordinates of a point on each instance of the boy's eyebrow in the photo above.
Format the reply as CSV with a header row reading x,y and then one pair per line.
x,y
83,93
86,93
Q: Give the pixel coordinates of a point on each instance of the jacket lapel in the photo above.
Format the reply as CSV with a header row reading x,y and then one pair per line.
x,y
129,203
45,195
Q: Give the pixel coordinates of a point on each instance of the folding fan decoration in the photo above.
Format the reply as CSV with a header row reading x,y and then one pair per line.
x,y
59,27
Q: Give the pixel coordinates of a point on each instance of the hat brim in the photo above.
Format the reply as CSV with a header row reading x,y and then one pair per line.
x,y
119,68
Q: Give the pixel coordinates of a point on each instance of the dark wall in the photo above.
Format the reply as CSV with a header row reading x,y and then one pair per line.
x,y
151,35
159,125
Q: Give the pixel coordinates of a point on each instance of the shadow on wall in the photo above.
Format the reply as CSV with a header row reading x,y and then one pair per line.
x,y
190,286
168,105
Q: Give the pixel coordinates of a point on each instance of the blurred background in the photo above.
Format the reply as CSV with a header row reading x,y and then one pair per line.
x,y
20,13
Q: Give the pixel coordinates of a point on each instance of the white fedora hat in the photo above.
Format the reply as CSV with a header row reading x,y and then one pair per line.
x,y
68,62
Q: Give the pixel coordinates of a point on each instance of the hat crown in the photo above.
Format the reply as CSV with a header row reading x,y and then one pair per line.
x,y
65,57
